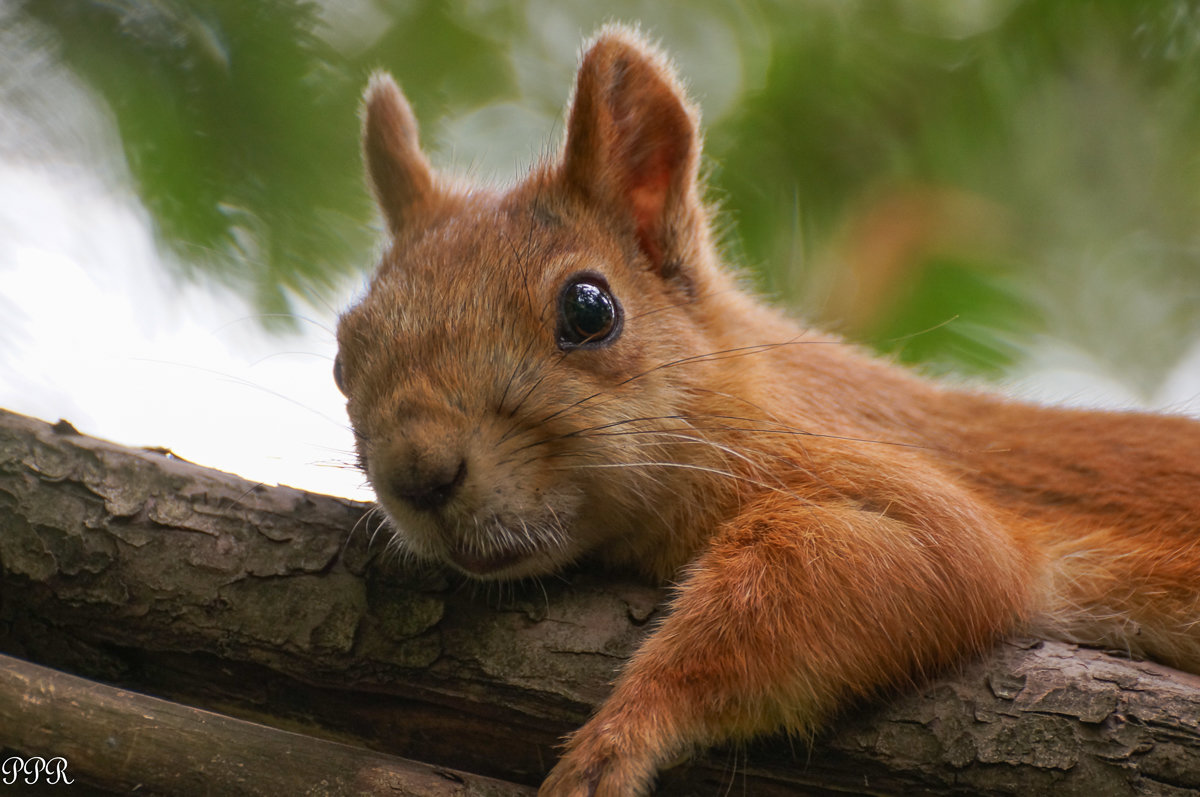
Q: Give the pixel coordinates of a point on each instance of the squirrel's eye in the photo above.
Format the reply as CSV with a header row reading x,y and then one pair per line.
x,y
338,379
588,313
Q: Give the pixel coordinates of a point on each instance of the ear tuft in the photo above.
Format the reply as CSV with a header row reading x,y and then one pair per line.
x,y
398,171
633,142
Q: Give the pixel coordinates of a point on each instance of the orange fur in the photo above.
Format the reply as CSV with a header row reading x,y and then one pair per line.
x,y
836,524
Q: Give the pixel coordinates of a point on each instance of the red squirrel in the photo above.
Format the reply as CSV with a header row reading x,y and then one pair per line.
x,y
566,368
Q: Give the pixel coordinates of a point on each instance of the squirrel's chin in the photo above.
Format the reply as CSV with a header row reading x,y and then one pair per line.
x,y
492,565
504,565
485,549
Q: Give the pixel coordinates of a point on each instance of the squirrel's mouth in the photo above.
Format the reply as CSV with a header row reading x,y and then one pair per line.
x,y
504,546
494,548
485,564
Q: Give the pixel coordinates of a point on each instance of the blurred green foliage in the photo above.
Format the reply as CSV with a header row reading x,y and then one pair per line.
x,y
939,178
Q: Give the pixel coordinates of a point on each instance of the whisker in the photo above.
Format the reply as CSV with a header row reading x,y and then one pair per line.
x,y
778,428
246,383
725,354
588,431
689,466
518,367
722,354
685,303
926,331
680,437
261,316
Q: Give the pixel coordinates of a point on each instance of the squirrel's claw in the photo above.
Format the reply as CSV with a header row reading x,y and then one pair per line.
x,y
596,767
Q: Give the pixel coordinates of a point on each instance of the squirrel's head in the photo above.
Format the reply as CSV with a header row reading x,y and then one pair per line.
x,y
509,372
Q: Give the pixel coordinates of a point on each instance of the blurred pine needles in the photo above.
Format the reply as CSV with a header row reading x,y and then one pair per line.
x,y
947,180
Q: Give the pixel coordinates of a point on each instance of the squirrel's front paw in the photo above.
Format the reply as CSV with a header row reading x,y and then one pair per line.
x,y
595,768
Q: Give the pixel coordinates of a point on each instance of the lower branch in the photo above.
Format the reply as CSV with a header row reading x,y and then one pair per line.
x,y
123,741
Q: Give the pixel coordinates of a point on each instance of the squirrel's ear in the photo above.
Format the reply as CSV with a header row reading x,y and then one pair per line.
x,y
633,143
398,171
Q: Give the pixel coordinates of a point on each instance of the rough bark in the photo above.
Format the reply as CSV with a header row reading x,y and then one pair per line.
x,y
268,603
177,750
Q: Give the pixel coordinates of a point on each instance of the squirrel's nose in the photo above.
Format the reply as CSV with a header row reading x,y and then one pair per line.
x,y
429,486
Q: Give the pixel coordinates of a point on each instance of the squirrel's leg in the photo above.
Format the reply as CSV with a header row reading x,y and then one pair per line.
x,y
794,608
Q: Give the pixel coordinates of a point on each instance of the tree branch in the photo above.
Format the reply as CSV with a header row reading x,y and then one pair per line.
x,y
137,568
130,741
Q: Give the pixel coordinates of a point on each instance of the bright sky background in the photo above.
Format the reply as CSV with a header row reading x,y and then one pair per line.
x,y
93,330
96,333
